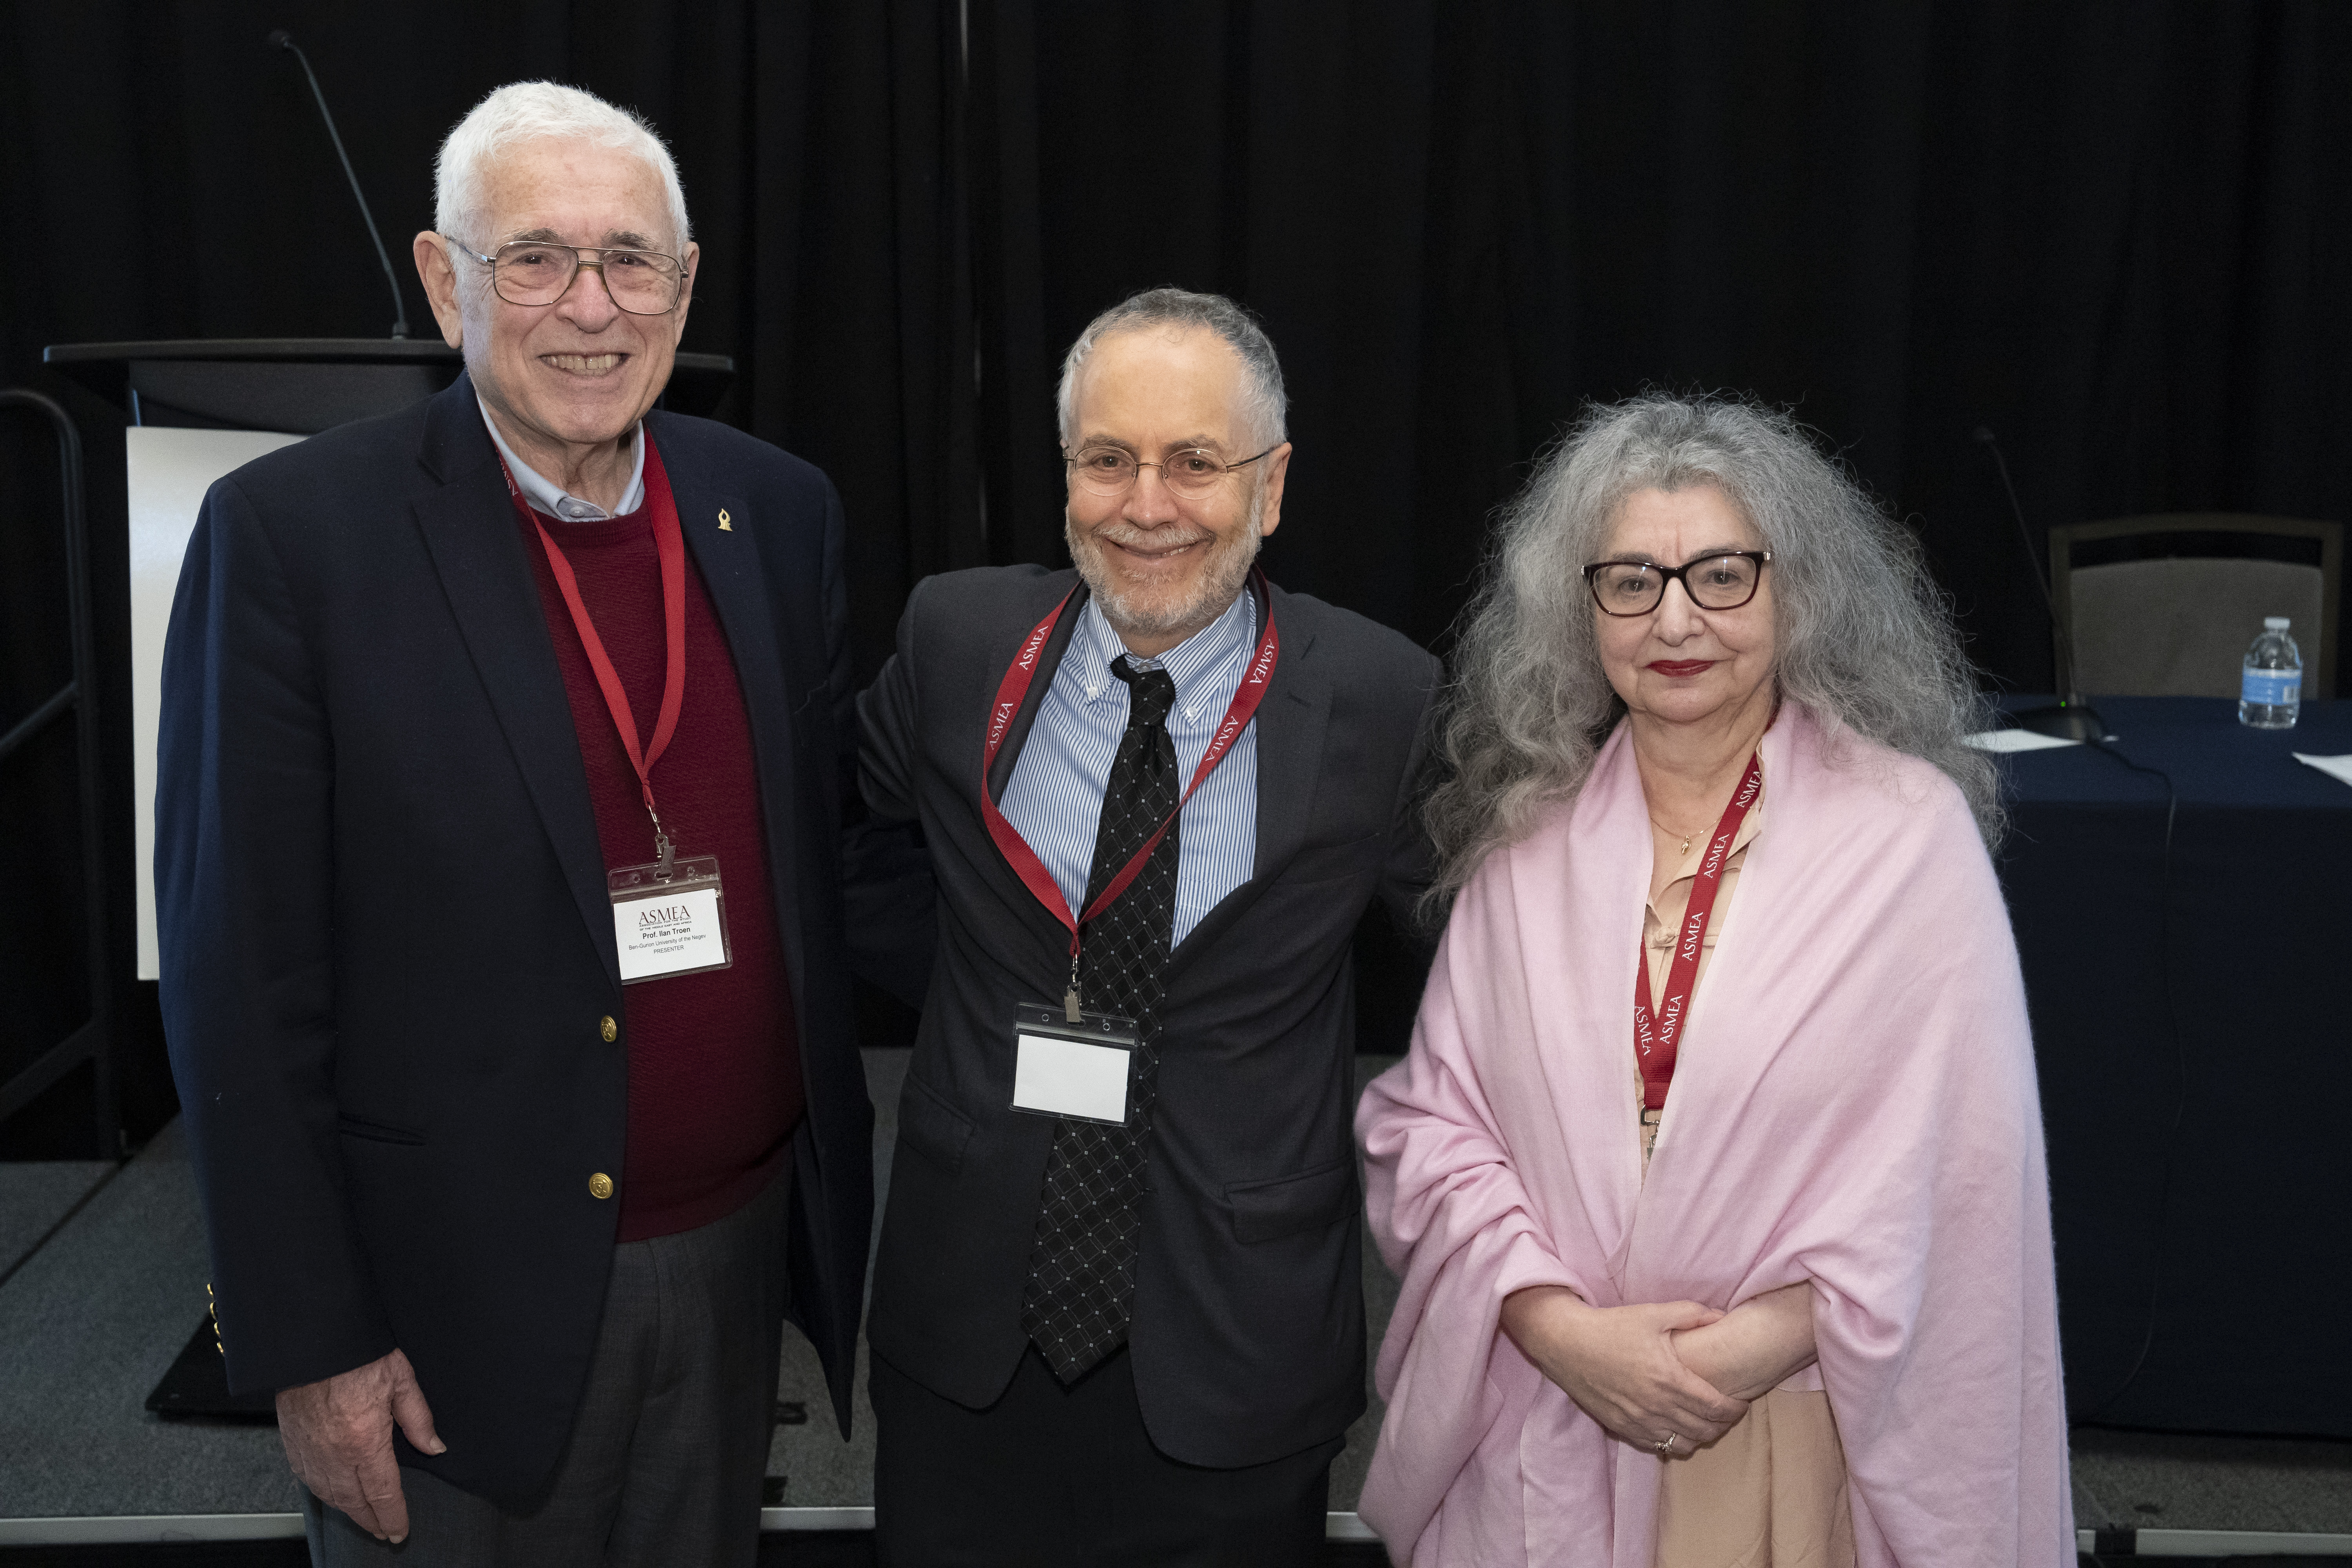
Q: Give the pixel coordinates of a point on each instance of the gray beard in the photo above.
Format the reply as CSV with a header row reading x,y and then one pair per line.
x,y
1219,583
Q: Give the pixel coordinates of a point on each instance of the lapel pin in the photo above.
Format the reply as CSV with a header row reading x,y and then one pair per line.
x,y
724,525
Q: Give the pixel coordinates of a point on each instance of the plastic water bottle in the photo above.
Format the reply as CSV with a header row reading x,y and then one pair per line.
x,y
2270,691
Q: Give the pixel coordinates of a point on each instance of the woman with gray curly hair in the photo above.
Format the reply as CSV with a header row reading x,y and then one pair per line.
x,y
1752,1266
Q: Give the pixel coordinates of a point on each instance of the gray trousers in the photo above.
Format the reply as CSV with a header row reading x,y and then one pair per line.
x,y
670,1443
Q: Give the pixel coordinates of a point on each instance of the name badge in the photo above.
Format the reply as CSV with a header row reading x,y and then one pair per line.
x,y
669,918
1080,1070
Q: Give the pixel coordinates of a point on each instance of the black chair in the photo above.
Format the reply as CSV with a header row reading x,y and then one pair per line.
x,y
2164,605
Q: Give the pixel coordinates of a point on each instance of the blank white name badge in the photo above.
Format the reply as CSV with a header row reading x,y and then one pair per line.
x,y
669,920
1079,1070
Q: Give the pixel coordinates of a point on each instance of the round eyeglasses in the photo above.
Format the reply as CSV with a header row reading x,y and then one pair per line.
x,y
1722,581
1192,473
537,272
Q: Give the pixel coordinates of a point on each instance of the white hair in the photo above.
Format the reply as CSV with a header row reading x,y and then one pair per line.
x,y
530,110
1263,401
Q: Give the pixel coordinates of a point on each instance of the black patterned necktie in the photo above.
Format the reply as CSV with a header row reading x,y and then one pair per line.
x,y
1081,1286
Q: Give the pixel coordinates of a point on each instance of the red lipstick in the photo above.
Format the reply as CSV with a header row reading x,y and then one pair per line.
x,y
1681,668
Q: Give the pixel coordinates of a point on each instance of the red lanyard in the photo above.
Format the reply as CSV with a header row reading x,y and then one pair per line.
x,y
669,545
1656,1042
1009,695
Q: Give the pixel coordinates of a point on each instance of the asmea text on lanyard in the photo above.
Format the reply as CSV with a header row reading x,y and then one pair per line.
x,y
669,916
1657,1036
1068,1061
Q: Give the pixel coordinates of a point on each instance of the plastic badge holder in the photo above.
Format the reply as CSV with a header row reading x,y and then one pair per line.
x,y
670,918
1084,1071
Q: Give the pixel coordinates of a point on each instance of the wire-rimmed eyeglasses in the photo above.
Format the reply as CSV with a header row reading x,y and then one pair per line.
x,y
537,272
1192,473
1720,580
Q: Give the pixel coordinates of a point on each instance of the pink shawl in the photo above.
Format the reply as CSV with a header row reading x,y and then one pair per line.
x,y
1854,1105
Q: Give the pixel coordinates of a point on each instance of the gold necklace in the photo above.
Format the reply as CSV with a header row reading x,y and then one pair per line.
x,y
1670,832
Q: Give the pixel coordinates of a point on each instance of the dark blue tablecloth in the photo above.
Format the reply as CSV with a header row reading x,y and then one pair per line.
x,y
2207,993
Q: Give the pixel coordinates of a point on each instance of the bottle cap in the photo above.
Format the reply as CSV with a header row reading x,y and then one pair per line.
x,y
2274,623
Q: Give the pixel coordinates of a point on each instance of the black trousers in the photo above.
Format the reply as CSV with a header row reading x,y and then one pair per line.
x,y
1051,1477
670,1443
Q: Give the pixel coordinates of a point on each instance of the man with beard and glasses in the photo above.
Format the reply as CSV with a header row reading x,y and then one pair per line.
x,y
1117,1310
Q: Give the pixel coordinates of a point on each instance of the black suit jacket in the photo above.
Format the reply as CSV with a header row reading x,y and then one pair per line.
x,y
1248,1334
387,948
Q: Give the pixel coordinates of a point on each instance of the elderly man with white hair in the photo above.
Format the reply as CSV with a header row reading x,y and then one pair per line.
x,y
498,860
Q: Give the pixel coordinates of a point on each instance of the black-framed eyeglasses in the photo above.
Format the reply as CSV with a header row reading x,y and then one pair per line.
x,y
1192,473
1724,580
537,272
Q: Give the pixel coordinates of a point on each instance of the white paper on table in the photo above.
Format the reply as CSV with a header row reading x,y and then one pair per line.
x,y
2013,741
169,471
2333,767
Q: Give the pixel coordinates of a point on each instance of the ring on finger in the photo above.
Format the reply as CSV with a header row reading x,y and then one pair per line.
x,y
1664,1446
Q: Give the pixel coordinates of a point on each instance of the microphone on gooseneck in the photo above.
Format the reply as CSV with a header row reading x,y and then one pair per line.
x,y
283,40
2071,719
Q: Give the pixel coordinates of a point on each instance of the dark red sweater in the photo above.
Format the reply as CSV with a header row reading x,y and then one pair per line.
x,y
715,1085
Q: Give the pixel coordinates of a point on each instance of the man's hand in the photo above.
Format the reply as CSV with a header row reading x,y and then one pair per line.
x,y
1755,1347
338,1437
1618,1364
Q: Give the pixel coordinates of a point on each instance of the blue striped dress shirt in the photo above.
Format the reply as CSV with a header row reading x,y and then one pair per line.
x,y
1054,797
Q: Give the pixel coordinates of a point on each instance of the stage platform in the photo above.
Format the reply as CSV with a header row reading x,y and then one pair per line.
x,y
102,1272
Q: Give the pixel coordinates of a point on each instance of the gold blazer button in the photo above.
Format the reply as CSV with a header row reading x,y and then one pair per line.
x,y
609,1029
600,1185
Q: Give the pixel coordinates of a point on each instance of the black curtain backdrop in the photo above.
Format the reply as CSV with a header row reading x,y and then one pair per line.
x,y
2113,232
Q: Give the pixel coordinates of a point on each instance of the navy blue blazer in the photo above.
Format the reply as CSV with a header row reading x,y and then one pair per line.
x,y
388,966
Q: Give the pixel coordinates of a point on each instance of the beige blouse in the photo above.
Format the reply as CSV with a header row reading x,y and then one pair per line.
x,y
1770,1492
1661,917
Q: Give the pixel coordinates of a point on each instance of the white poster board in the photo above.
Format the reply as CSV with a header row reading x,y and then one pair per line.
x,y
169,472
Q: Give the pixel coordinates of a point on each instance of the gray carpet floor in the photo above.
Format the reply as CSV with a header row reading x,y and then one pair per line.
x,y
2163,1480
88,1324
37,1193
91,1321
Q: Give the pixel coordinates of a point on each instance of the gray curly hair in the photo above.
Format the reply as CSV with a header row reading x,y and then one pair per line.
x,y
1864,638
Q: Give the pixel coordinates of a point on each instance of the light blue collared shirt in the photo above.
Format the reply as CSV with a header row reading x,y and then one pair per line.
x,y
545,495
1054,797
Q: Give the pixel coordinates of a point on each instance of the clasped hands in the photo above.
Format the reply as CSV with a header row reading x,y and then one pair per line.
x,y
1665,1369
